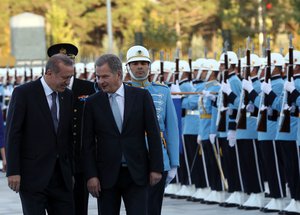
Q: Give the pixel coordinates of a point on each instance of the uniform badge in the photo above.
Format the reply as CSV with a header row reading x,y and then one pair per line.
x,y
82,97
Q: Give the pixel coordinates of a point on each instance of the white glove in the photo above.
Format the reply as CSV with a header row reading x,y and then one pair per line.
x,y
263,107
231,137
199,139
266,87
208,95
171,174
247,85
212,138
289,86
176,89
225,87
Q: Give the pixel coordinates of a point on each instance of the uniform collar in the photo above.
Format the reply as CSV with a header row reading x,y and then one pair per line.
x,y
143,83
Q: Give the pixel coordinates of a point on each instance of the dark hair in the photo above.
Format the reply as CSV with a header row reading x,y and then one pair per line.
x,y
53,62
113,62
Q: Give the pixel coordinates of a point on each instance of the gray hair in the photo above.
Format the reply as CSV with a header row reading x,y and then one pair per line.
x,y
54,60
113,62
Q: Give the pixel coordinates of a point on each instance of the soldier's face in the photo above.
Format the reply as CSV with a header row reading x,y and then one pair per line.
x,y
139,69
109,82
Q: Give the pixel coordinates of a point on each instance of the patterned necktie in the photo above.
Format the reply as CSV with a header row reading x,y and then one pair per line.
x,y
116,111
54,110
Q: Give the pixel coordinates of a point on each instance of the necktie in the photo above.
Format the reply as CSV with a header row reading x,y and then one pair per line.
x,y
54,110
116,111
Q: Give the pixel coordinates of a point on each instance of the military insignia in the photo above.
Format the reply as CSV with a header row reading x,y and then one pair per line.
x,y
139,53
63,51
275,61
82,97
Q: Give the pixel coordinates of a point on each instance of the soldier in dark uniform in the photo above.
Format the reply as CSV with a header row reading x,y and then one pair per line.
x,y
81,90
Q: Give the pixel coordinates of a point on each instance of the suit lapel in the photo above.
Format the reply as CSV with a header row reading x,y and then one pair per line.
x,y
129,101
42,100
107,109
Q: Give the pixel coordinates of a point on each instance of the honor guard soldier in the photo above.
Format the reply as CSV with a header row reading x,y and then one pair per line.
x,y
138,66
292,155
271,153
207,131
190,130
248,145
232,87
81,90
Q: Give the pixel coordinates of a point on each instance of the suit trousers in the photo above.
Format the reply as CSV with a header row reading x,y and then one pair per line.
x,y
81,194
133,195
250,164
273,161
56,199
291,165
155,196
229,161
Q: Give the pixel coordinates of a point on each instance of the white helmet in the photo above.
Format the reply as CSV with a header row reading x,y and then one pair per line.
x,y
210,65
232,58
3,75
169,67
137,53
296,56
79,68
21,73
37,71
183,67
276,60
124,70
255,61
155,70
90,69
199,62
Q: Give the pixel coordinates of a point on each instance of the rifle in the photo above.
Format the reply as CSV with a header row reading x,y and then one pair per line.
x,y
242,116
221,122
285,114
190,63
161,67
262,121
176,76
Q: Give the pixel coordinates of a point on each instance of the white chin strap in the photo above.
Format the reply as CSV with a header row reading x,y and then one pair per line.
x,y
169,76
133,76
155,78
199,74
208,75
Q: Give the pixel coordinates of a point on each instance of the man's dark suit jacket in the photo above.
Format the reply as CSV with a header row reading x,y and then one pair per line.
x,y
81,90
104,144
33,147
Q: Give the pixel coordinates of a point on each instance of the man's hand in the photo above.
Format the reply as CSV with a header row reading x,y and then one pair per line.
x,y
225,87
289,86
171,174
247,85
14,182
93,186
155,177
266,87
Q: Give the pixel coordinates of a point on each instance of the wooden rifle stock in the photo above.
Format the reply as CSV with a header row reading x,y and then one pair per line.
x,y
162,67
176,76
285,124
190,64
262,123
222,121
242,120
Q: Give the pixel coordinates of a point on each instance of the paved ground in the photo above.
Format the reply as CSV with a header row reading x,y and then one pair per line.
x,y
10,205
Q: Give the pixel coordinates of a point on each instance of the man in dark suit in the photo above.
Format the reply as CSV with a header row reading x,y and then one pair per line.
x,y
39,141
81,90
118,161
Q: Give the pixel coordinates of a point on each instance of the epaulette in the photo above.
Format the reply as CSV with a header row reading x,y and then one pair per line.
x,y
128,83
157,83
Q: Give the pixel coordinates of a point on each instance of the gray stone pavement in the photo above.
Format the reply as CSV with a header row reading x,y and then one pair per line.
x,y
10,205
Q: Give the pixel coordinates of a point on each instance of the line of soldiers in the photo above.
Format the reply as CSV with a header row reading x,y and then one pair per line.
x,y
217,154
